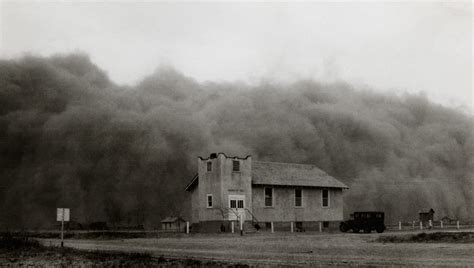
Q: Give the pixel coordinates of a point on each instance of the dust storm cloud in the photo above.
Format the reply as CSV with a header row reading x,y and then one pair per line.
x,y
71,137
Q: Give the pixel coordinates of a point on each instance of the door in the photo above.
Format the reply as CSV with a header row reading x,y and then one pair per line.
x,y
237,207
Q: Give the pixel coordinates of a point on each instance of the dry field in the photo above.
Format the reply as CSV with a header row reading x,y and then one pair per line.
x,y
294,249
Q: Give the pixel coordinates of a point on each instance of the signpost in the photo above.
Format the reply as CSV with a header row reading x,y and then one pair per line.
x,y
62,215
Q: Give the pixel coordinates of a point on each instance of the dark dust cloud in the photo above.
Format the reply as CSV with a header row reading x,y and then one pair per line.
x,y
70,137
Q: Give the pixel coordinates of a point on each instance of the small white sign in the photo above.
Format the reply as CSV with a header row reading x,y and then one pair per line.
x,y
62,212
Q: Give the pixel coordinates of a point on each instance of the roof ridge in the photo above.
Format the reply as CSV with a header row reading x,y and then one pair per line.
x,y
285,163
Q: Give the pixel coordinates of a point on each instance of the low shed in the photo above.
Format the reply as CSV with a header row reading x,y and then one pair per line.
x,y
426,216
173,224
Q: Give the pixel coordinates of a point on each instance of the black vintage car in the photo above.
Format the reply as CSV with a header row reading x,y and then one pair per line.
x,y
367,221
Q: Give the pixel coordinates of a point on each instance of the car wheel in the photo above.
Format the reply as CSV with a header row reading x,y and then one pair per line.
x,y
379,230
343,228
367,230
355,230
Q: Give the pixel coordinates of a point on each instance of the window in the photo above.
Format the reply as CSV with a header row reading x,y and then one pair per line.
x,y
236,166
298,197
209,166
268,225
325,198
209,201
299,226
237,201
268,197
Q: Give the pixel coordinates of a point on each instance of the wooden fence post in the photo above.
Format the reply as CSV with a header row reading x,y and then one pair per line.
x,y
421,225
241,226
232,226
271,223
320,227
413,225
187,227
291,226
441,222
457,225
430,224
399,225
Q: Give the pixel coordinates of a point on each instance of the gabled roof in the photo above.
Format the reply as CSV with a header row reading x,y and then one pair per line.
x,y
426,211
192,183
171,219
284,174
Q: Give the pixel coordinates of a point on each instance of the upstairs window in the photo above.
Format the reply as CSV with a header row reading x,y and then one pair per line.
x,y
209,201
209,166
233,203
298,197
236,165
268,197
325,198
240,203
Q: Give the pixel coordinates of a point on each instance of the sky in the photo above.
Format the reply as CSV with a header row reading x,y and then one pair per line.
x,y
397,47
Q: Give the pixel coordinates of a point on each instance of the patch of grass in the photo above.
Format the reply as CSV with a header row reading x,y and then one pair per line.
x,y
110,235
106,235
95,235
20,250
10,242
437,237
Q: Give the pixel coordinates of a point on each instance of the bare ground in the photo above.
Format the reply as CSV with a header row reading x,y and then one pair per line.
x,y
295,249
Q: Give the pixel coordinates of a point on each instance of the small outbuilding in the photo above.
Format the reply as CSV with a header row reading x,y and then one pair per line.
x,y
426,216
173,224
448,220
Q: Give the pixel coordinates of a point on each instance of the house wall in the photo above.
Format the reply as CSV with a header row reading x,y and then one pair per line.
x,y
195,206
236,183
284,210
424,217
174,226
220,182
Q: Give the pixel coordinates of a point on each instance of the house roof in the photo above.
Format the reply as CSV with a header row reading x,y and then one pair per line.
x,y
171,219
426,211
447,218
192,183
284,174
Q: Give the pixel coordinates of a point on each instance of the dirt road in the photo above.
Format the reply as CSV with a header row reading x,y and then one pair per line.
x,y
315,249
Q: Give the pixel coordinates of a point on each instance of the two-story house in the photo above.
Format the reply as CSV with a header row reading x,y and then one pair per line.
x,y
274,195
